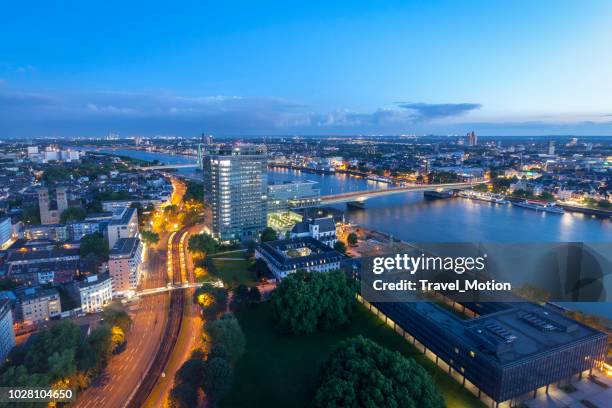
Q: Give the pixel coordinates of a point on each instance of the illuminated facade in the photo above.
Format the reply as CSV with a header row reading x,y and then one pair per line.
x,y
235,191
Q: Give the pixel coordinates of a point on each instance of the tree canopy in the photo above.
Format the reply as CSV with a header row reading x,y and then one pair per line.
x,y
268,234
217,379
202,244
340,247
60,355
73,214
360,373
95,244
226,331
352,238
149,237
305,302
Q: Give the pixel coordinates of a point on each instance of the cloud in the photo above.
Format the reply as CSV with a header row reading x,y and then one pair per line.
x,y
29,114
433,111
12,100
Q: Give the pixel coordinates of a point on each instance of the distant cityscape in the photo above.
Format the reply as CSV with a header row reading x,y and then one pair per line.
x,y
114,237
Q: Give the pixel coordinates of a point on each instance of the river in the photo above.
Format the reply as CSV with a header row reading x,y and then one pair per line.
x,y
410,217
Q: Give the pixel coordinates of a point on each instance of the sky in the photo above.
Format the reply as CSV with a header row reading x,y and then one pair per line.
x,y
516,67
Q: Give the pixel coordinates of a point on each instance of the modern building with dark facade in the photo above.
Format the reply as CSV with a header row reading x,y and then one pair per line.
x,y
504,353
235,185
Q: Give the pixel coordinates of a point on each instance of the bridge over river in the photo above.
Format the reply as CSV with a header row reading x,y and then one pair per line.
x,y
361,196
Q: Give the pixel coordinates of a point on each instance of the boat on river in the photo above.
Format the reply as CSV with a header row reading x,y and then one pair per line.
x,y
540,206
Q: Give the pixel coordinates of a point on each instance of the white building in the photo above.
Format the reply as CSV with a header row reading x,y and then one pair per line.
x,y
7,335
287,256
322,229
124,265
95,292
124,224
36,305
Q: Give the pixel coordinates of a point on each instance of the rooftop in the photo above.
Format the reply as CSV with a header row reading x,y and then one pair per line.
x,y
519,330
35,293
123,216
299,252
125,247
93,280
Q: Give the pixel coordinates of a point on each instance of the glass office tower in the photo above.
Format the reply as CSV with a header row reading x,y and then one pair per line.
x,y
235,180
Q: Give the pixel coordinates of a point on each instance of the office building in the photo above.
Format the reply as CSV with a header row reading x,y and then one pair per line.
x,y
124,224
286,195
551,147
504,353
124,265
36,304
235,189
6,232
51,210
322,229
94,293
7,335
472,139
287,256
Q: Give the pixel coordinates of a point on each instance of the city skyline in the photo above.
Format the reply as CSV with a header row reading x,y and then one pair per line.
x,y
503,68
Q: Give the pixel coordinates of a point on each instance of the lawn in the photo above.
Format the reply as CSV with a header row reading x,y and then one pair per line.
x,y
233,272
282,371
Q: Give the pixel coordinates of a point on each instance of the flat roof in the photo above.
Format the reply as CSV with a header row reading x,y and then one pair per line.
x,y
124,218
519,331
125,247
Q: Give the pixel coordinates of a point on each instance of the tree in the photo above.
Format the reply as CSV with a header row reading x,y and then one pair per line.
x,y
240,297
202,244
95,206
483,188
30,214
250,252
73,214
254,294
340,247
149,237
191,372
116,316
183,395
194,191
352,239
259,268
226,331
95,244
304,302
268,234
212,300
359,372
217,379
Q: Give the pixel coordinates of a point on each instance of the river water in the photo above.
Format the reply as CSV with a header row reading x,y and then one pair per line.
x,y
410,217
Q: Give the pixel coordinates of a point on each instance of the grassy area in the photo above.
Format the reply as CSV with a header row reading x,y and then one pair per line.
x,y
232,272
280,370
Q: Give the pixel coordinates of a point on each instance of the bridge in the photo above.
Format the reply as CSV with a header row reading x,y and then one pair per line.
x,y
171,287
361,196
168,166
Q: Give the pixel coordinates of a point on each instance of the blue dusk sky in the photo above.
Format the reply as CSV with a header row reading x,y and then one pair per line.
x,y
87,68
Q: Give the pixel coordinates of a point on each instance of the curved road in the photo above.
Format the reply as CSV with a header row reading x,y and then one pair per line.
x,y
124,372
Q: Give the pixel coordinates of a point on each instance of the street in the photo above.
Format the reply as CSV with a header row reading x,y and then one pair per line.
x,y
124,372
